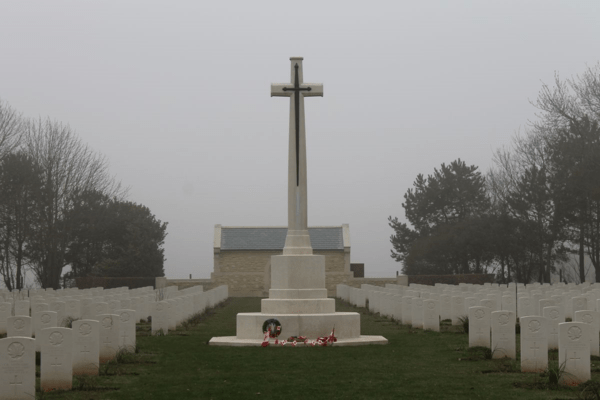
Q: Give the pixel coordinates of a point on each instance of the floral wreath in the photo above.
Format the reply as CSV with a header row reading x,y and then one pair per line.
x,y
272,327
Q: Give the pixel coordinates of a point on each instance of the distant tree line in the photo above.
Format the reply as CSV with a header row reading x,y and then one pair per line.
x,y
60,207
537,206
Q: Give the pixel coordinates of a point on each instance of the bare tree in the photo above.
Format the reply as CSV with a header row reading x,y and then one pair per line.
x,y
11,129
68,168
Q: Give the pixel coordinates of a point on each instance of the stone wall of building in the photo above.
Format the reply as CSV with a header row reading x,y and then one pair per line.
x,y
248,273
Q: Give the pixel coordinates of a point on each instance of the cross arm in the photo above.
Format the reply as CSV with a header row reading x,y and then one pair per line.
x,y
316,89
277,90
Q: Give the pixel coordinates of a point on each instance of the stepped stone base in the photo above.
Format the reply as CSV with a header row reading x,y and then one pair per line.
x,y
235,342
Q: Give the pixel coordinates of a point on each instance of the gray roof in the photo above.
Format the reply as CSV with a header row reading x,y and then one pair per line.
x,y
274,238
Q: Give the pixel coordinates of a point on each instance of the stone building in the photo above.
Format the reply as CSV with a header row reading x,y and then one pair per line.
x,y
242,256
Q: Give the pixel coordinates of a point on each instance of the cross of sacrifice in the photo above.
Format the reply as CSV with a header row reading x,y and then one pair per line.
x,y
299,90
575,358
15,383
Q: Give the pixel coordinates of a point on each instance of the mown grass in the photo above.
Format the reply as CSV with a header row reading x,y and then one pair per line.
x,y
415,365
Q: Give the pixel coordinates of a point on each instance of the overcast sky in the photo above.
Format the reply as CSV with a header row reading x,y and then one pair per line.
x,y
177,95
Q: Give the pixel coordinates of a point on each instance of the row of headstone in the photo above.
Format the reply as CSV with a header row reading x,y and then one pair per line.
x,y
79,350
169,313
492,313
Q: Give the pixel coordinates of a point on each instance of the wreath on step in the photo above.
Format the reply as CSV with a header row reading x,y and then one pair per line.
x,y
272,327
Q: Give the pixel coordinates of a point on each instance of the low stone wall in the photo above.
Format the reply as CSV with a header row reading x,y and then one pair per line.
x,y
88,282
184,283
476,279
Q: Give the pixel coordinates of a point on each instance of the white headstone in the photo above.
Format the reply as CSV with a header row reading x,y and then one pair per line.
x,y
86,347
534,344
407,310
417,313
19,326
503,334
22,308
17,368
160,319
5,312
110,325
591,318
574,352
127,330
458,309
479,326
73,308
552,314
59,308
431,315
56,369
445,307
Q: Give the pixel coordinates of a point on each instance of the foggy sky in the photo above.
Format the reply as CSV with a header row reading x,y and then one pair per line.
x,y
177,95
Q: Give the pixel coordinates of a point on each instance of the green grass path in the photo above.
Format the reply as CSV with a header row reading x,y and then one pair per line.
x,y
415,365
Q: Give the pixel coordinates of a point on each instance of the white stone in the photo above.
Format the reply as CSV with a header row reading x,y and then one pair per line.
x,y
445,307
127,339
5,312
574,352
56,369
417,313
503,334
552,314
99,308
431,315
407,310
59,308
160,318
22,308
591,318
73,308
19,326
508,303
86,347
110,325
458,309
479,326
524,307
578,303
17,368
534,344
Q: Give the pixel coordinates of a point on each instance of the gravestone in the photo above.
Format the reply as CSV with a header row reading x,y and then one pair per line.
x,y
86,347
445,307
431,315
578,303
417,313
56,367
552,314
22,308
73,308
489,303
87,311
19,326
99,308
42,320
503,334
5,312
127,330
574,352
59,308
591,318
17,368
524,307
458,309
160,319
407,310
534,344
479,326
110,325
508,303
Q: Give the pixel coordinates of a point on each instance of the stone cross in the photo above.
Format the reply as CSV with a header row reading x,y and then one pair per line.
x,y
297,241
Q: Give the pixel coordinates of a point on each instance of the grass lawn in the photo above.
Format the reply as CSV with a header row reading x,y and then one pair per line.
x,y
415,365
